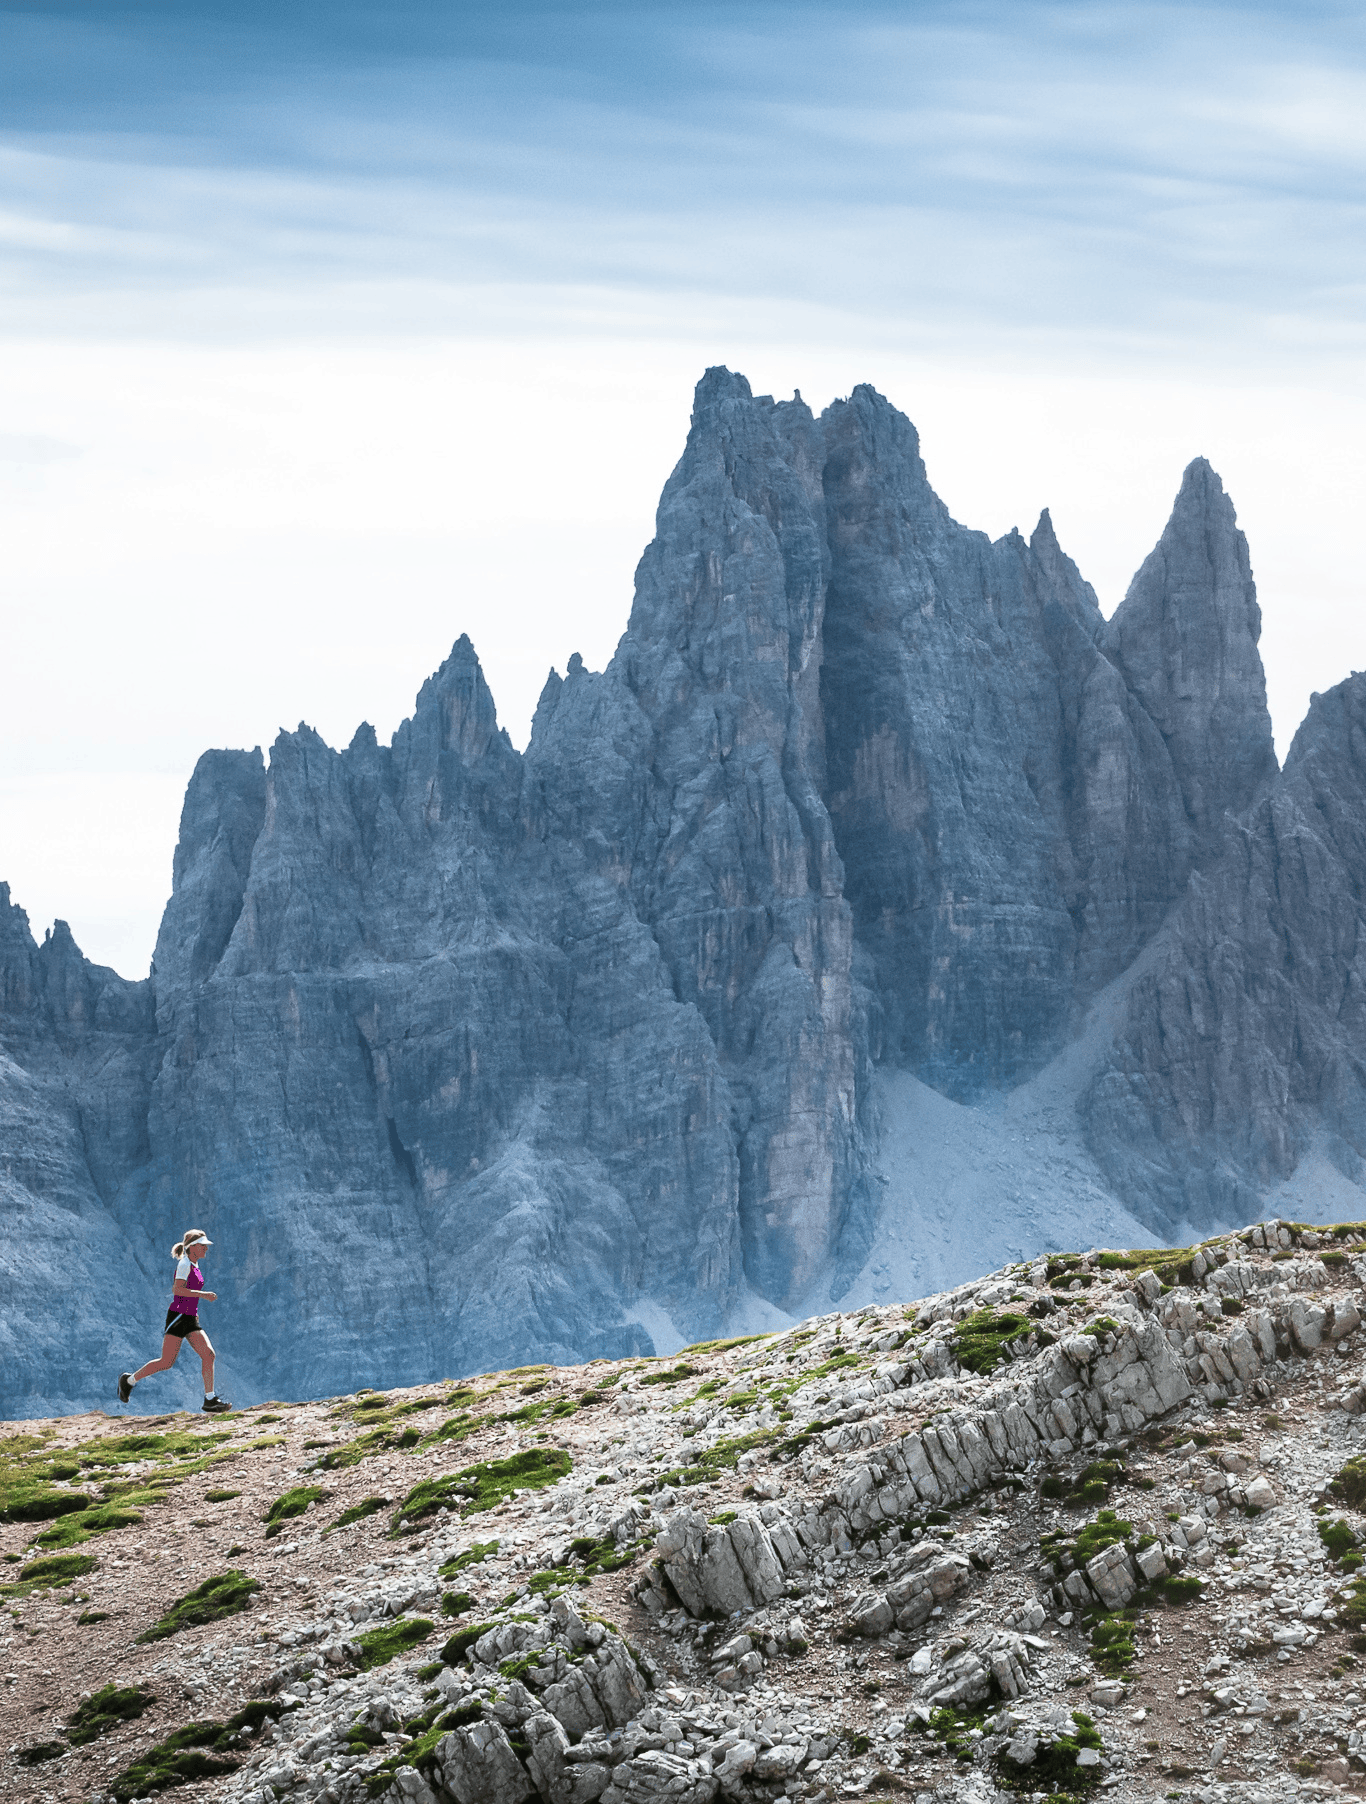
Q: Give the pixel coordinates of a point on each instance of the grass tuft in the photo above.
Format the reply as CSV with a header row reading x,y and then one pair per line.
x,y
369,1506
1349,1486
71,1530
380,1646
472,1556
982,1339
58,1569
485,1486
291,1504
226,1595
108,1708
199,1751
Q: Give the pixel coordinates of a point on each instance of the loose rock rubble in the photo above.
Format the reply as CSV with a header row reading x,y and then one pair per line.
x,y
1091,1526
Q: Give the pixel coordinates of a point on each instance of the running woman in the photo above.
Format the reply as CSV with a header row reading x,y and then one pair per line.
x,y
182,1322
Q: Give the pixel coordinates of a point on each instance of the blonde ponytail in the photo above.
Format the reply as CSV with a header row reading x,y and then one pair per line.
x,y
177,1249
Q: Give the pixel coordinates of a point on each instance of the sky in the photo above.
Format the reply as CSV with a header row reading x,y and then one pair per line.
x,y
330,332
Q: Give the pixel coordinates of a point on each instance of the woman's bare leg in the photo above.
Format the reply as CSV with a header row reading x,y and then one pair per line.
x,y
203,1346
170,1349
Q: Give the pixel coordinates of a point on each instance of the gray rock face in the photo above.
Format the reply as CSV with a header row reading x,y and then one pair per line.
x,y
77,1060
467,1057
1243,1047
1005,806
1185,639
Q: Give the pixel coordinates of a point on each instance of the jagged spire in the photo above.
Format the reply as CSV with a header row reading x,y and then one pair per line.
x,y
1185,638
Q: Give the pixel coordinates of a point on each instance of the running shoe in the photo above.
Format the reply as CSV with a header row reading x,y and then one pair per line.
x,y
125,1386
216,1406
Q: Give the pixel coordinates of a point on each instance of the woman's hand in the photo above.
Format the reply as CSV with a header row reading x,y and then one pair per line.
x,y
208,1296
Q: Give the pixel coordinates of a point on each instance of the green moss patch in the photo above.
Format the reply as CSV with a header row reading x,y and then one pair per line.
x,y
484,1486
455,1603
1089,1488
351,1453
707,1465
587,1559
1104,1531
386,1432
130,1449
369,1506
38,1504
724,1346
472,1556
424,1733
1349,1486
71,1530
981,1340
458,1428
1112,1643
555,1408
108,1708
59,1569
30,1474
291,1504
674,1375
199,1751
462,1640
1054,1769
953,1728
220,1496
380,1646
226,1595
1178,1590
1340,1541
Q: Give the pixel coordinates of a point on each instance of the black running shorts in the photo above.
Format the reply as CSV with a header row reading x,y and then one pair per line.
x,y
180,1325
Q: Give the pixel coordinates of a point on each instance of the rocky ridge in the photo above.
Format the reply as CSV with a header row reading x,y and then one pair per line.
x,y
467,1057
1087,1526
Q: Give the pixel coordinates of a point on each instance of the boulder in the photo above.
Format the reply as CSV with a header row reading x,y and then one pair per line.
x,y
559,1780
1111,1576
724,1567
655,1777
477,1765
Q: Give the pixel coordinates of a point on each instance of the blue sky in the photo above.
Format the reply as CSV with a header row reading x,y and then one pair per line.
x,y
329,332
1157,174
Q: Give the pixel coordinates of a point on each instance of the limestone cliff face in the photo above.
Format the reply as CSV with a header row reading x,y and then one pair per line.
x,y
1005,804
1185,640
710,800
77,1059
565,1034
1244,1047
469,1057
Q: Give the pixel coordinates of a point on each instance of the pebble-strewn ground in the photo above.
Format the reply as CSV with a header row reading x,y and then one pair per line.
x,y
1087,1528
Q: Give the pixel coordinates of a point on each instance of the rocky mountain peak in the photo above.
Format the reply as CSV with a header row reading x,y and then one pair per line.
x,y
461,704
631,1040
1064,580
1185,637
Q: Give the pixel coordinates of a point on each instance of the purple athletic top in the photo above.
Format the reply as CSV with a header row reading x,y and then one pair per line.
x,y
192,1276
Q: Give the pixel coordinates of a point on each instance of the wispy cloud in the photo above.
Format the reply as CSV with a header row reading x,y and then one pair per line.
x,y
1169,174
